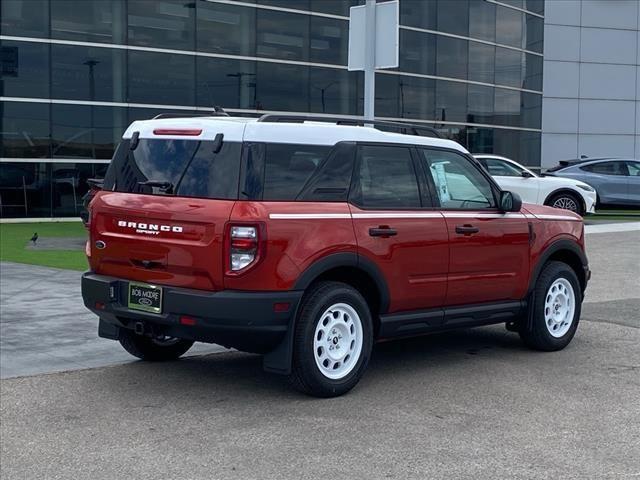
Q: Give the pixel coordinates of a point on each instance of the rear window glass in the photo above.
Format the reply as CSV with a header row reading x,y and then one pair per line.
x,y
185,168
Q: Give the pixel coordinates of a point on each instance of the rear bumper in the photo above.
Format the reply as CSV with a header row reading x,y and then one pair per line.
x,y
243,320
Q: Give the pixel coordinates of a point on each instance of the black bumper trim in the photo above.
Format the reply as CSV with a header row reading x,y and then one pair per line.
x,y
238,319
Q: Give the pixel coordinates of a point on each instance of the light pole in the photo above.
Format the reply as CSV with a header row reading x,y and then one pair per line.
x,y
322,90
240,76
91,63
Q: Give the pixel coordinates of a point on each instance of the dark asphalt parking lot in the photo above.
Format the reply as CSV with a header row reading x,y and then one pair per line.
x,y
472,403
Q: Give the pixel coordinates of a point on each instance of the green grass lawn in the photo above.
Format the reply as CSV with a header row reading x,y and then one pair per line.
x,y
614,215
14,238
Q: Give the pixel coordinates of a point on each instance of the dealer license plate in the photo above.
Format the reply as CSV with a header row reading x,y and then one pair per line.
x,y
145,297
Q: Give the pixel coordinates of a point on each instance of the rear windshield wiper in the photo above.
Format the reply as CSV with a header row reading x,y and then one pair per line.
x,y
165,187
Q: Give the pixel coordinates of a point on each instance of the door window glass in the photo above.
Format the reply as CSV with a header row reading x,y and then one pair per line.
x,y
458,182
634,169
501,168
386,178
606,168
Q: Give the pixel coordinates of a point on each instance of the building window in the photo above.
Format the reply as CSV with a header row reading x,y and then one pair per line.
x,y
25,130
25,69
161,23
25,18
88,73
88,20
161,78
85,131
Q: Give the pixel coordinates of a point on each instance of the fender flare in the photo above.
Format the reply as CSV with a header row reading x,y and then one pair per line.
x,y
279,360
558,246
346,259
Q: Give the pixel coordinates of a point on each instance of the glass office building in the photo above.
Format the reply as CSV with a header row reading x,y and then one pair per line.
x,y
75,73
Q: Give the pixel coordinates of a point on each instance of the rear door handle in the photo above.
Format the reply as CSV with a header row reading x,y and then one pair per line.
x,y
382,232
466,229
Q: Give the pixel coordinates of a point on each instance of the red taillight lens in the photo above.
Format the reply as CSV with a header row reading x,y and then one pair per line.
x,y
191,132
189,321
243,246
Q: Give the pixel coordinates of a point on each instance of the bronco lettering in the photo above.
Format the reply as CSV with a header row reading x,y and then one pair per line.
x,y
150,228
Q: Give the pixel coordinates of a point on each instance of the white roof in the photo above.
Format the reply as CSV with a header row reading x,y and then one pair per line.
x,y
248,129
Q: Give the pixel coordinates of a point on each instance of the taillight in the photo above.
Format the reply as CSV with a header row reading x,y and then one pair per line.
x,y
243,247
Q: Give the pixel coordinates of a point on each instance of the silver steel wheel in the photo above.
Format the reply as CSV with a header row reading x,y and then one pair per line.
x,y
559,307
337,343
566,203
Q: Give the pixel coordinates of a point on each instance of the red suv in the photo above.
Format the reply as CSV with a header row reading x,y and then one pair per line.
x,y
310,241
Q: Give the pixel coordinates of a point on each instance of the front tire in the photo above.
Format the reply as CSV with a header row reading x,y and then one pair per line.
x,y
332,340
555,309
567,201
153,349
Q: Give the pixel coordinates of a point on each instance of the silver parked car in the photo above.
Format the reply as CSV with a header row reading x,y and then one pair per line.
x,y
617,180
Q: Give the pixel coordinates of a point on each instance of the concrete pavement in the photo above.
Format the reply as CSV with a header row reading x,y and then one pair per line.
x,y
44,326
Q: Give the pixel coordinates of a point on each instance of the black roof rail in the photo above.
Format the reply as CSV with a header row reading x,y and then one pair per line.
x,y
356,121
217,112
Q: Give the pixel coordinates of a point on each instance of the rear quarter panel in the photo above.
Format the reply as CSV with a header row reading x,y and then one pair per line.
x,y
297,235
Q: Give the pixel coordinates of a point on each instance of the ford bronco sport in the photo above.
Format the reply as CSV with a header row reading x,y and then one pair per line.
x,y
308,241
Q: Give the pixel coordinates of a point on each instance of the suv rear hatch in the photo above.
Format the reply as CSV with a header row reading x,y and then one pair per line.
x,y
166,199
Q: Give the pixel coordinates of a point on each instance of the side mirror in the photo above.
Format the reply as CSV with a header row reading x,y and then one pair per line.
x,y
526,174
510,202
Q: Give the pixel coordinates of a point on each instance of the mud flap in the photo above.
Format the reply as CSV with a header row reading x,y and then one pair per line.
x,y
523,321
280,359
108,330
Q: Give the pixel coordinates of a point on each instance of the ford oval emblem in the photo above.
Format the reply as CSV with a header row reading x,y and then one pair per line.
x,y
100,245
145,301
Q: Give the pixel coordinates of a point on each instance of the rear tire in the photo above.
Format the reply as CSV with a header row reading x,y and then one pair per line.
x,y
152,349
554,312
567,201
332,340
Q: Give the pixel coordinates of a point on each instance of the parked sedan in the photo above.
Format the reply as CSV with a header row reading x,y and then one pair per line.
x,y
616,180
553,191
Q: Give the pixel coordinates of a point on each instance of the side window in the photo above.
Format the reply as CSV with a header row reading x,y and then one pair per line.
x,y
497,167
634,169
288,167
279,171
385,178
606,168
458,182
331,182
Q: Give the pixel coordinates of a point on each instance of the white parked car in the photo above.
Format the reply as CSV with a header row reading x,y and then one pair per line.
x,y
553,191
